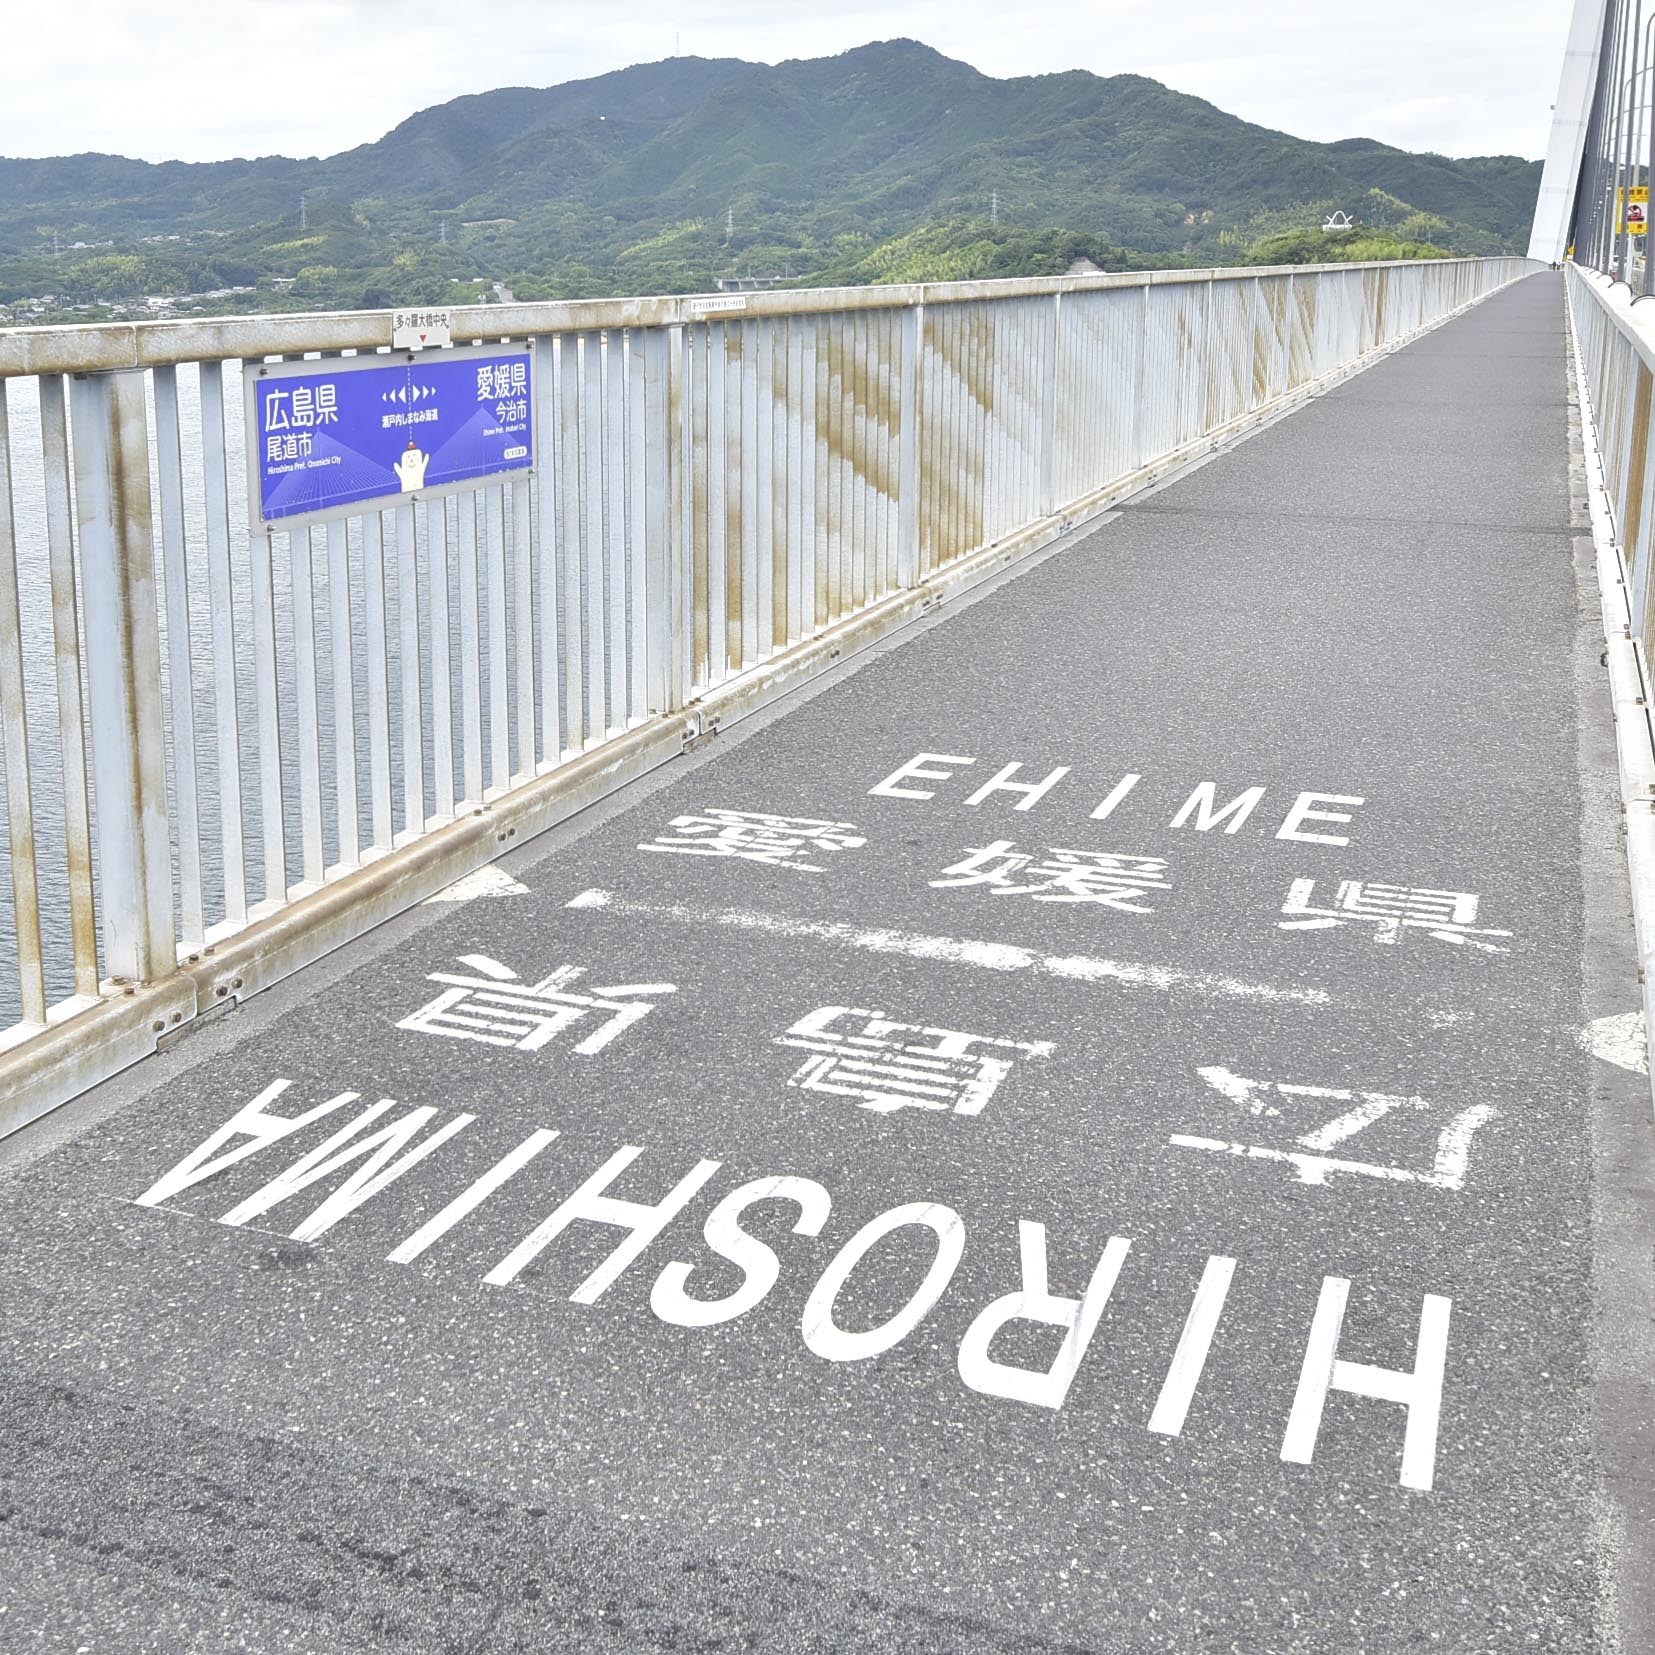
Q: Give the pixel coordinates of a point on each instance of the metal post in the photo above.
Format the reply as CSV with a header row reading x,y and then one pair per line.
x,y
1048,412
1602,137
1617,87
907,548
123,670
1623,235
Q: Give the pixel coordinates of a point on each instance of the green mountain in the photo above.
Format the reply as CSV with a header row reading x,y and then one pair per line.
x,y
667,176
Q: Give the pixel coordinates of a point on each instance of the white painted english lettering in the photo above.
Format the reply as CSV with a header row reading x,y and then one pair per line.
x,y
1033,792
1200,805
1172,1406
916,770
824,1338
591,1204
471,1197
1420,1392
388,1157
1304,810
1118,792
250,1121
1035,1302
758,1263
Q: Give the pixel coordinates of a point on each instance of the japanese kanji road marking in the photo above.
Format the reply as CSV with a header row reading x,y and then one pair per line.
x,y
886,1065
1392,911
1107,878
1268,1100
987,956
493,1006
753,836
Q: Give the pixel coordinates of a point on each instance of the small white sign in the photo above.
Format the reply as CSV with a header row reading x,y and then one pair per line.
x,y
716,307
417,330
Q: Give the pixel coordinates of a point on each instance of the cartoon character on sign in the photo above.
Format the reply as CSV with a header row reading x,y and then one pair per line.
x,y
411,468
1636,217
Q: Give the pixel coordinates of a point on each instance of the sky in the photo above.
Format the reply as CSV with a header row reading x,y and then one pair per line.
x,y
208,79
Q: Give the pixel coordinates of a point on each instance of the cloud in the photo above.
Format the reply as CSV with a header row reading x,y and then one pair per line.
x,y
206,79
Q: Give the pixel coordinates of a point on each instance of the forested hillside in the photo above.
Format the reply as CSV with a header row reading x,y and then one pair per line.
x,y
887,162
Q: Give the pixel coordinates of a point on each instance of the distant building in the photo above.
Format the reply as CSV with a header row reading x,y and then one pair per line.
x,y
753,284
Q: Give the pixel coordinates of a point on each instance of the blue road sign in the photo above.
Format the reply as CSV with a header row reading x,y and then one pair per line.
x,y
330,438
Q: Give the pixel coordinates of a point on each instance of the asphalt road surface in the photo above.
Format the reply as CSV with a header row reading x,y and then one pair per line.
x,y
1073,1137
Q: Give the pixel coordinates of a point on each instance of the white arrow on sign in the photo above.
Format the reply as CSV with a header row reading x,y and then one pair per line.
x,y
1358,1111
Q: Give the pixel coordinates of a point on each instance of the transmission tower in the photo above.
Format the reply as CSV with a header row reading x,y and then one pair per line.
x,y
994,208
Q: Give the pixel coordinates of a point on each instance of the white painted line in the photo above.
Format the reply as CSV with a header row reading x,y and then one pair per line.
x,y
472,1197
1420,1391
1620,1039
485,881
988,956
1173,1404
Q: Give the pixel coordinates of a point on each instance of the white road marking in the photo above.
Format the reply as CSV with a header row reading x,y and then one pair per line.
x,y
1173,1404
472,1197
988,956
1619,1039
485,881
1448,1166
1420,1392
371,1168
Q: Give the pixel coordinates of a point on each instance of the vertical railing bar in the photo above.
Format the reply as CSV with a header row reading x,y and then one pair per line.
x,y
658,433
592,435
340,612
221,593
569,517
737,588
499,706
637,515
698,504
522,564
757,631
838,523
851,414
910,333
169,470
438,517
471,682
683,491
14,737
379,685
616,501
114,509
547,626
827,474
307,703
797,483
265,695
717,467
71,714
782,485
408,648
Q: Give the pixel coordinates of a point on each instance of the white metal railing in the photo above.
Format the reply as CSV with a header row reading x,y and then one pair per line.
x,y
1613,336
293,735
